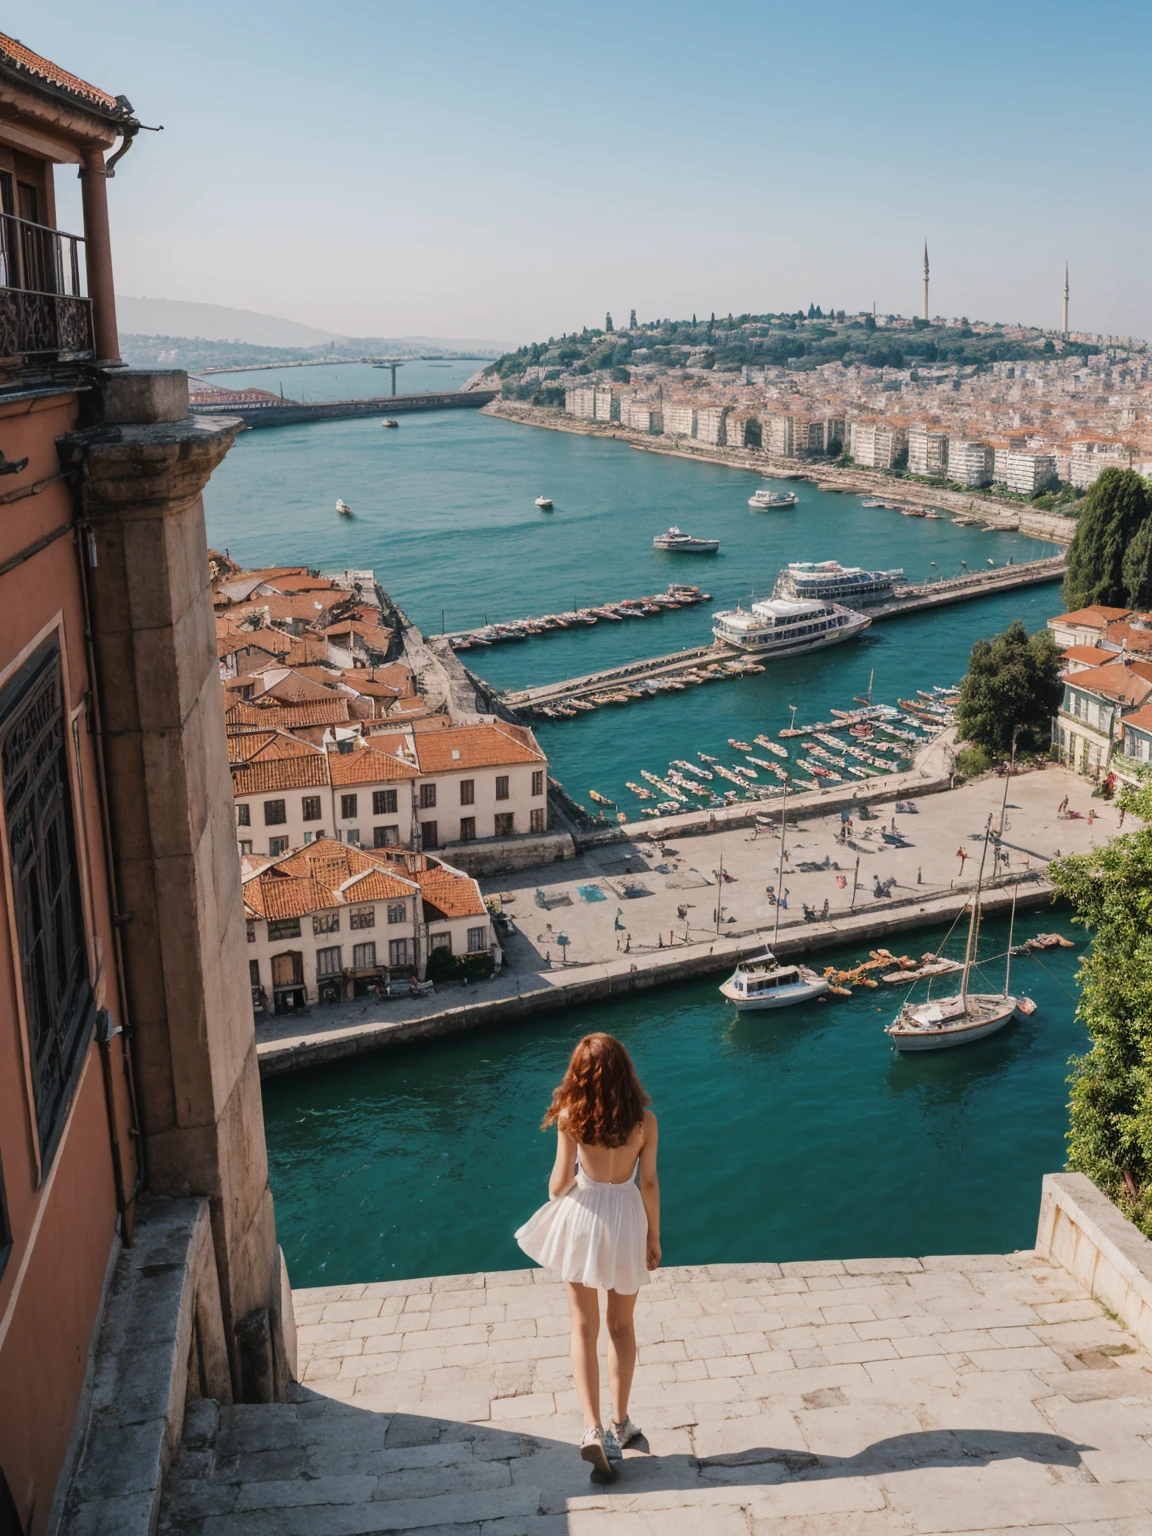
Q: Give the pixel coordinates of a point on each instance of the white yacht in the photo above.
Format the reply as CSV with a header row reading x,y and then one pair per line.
x,y
762,982
544,503
766,500
343,508
831,582
684,544
778,627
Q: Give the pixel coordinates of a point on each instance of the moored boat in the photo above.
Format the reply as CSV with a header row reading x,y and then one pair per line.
x,y
677,543
762,982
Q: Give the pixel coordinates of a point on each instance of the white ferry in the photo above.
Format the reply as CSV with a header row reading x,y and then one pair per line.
x,y
829,581
779,627
684,544
766,500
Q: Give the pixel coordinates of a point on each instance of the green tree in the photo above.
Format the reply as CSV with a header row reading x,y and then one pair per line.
x,y
1110,1137
1115,509
1136,568
1013,680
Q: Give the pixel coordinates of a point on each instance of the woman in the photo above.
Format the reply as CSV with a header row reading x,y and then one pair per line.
x,y
600,1228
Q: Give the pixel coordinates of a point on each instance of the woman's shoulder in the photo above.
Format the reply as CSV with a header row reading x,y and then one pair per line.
x,y
648,1123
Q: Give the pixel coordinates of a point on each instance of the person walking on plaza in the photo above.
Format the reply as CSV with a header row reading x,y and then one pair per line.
x,y
600,1228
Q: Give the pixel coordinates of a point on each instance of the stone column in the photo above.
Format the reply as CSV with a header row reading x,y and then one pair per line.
x,y
141,467
98,256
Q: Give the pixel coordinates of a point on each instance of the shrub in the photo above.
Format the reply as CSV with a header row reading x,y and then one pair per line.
x,y
973,761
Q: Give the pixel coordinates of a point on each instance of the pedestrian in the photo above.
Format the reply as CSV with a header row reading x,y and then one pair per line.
x,y
824,913
919,875
841,881
784,899
1062,807
600,1228
659,941
1121,816
627,943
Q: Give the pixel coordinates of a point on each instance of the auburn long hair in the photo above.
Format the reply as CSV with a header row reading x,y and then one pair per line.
x,y
600,1100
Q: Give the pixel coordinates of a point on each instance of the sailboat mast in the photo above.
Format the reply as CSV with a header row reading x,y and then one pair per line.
x,y
1011,929
780,875
973,920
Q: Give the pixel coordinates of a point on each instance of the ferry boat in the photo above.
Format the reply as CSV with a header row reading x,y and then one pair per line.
x,y
679,543
762,982
778,627
831,582
766,500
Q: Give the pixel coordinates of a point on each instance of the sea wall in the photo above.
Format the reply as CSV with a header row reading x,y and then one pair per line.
x,y
1082,1230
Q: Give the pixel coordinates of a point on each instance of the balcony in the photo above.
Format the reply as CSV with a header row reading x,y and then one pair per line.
x,y
45,314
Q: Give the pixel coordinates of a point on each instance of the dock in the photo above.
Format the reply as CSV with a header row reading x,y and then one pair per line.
x,y
678,595
292,412
911,599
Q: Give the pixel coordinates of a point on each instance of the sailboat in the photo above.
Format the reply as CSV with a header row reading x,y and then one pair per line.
x,y
942,1022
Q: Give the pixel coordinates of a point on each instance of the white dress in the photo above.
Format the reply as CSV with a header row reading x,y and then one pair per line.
x,y
596,1234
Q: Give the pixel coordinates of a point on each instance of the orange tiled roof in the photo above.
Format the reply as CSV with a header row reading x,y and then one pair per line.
x,y
332,711
1142,718
274,896
479,746
1090,655
261,777
27,62
1129,683
450,894
1128,635
249,746
367,765
1096,614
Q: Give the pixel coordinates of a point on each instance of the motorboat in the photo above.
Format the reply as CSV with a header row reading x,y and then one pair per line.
x,y
344,509
762,982
389,421
678,543
779,627
765,500
544,503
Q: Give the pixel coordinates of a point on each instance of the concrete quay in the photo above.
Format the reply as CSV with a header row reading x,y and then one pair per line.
x,y
870,1397
636,938
294,412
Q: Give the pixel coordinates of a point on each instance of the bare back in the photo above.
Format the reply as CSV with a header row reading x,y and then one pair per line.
x,y
613,1165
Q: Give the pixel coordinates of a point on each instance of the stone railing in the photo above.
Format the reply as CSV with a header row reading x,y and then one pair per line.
x,y
1082,1231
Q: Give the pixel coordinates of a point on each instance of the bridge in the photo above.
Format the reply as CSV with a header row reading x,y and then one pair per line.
x,y
290,412
912,599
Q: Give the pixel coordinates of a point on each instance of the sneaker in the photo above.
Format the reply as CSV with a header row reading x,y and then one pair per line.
x,y
624,1433
592,1450
612,1446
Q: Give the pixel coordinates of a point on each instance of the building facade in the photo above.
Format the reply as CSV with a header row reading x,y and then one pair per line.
x,y
970,463
876,444
927,451
1027,474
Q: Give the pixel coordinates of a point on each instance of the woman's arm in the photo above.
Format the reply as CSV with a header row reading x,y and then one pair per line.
x,y
564,1168
650,1188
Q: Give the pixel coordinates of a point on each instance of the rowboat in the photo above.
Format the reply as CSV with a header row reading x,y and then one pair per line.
x,y
770,745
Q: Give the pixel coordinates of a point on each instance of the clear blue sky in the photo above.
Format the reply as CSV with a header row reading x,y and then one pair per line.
x,y
513,170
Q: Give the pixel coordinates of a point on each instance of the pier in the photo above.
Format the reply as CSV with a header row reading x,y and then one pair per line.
x,y
292,412
911,599
678,595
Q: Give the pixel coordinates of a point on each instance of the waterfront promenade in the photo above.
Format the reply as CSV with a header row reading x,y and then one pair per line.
x,y
869,1397
635,937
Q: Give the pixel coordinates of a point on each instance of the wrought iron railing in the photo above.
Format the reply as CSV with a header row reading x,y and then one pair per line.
x,y
45,314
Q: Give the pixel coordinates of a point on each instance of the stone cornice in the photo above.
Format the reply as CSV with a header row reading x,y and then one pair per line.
x,y
146,469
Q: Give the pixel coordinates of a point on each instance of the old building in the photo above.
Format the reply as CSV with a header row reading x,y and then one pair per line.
x,y
127,1052
970,463
876,444
1089,723
1027,474
927,451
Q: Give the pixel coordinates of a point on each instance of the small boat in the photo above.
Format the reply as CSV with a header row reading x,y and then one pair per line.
x,y
389,422
344,509
765,500
639,790
772,746
741,746
762,982
601,799
677,543
544,503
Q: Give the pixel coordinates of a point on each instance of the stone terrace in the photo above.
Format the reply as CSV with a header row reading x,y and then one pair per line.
x,y
877,1397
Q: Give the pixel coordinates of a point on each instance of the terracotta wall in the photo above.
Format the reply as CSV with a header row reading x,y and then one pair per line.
x,y
63,1219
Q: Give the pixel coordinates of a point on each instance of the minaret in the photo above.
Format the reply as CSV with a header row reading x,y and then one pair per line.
x,y
925,279
1065,327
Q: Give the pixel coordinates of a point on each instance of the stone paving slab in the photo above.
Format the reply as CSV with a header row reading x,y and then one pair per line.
x,y
895,1397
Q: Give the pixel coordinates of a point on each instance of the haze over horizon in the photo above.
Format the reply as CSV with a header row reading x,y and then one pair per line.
x,y
515,171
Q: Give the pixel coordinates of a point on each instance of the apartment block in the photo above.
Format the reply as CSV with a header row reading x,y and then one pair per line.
x,y
680,421
778,436
642,416
1027,474
1091,456
710,424
606,405
581,401
876,444
927,451
969,463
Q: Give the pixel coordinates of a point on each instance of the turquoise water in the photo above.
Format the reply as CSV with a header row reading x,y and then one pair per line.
x,y
792,1135
445,516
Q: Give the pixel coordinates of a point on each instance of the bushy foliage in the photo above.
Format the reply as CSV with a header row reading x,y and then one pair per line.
x,y
1114,515
1110,1138
1013,680
445,966
973,761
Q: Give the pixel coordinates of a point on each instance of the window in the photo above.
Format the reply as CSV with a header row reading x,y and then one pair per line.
x,y
467,791
254,972
427,796
45,889
310,807
383,802
536,819
328,961
326,922
502,786
347,806
277,846
285,928
243,815
428,837
245,847
352,837
538,781
440,941
385,837
251,927
364,957
275,814
467,829
505,823
362,917
397,911
477,938
399,952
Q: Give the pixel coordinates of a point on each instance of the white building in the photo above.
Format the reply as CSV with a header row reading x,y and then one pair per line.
x,y
642,416
1091,456
327,922
876,444
581,401
606,405
778,437
927,451
710,424
680,421
969,463
1027,474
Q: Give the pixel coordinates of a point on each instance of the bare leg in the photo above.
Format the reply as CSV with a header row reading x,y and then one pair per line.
x,y
621,1352
584,1309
